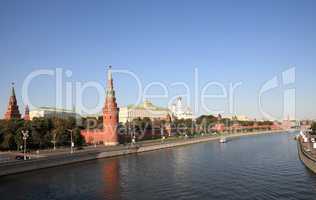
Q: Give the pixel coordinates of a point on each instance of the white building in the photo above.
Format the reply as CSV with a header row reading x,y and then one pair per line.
x,y
239,118
180,111
49,112
146,109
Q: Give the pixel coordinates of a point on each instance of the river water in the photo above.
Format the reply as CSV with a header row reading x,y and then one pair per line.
x,y
253,167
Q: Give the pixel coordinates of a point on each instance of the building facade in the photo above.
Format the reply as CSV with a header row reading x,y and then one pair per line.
x,y
146,109
50,112
108,135
239,118
180,111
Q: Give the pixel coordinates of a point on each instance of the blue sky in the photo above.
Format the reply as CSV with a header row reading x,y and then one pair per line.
x,y
164,41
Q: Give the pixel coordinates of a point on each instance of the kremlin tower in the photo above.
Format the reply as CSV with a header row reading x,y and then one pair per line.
x,y
110,113
108,135
27,113
13,108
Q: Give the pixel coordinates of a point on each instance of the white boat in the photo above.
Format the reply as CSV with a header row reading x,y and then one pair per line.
x,y
223,140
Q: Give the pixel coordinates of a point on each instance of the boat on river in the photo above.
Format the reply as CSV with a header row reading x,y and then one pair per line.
x,y
223,140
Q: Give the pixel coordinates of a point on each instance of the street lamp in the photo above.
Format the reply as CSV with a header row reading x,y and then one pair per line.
x,y
131,131
71,141
54,141
25,134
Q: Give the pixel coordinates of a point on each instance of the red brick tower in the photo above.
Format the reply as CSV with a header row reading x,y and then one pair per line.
x,y
27,113
13,108
110,113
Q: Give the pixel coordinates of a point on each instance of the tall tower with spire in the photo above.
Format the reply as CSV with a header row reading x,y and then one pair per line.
x,y
109,134
110,113
13,108
27,113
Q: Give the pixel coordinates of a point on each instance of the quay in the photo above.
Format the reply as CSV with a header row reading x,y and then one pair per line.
x,y
307,153
91,153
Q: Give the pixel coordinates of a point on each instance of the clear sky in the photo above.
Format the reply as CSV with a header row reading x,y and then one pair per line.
x,y
163,41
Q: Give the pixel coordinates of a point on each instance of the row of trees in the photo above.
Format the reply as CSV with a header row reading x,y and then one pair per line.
x,y
43,133
202,124
48,132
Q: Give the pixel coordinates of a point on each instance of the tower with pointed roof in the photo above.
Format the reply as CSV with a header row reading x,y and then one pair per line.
x,y
110,113
109,134
27,113
13,108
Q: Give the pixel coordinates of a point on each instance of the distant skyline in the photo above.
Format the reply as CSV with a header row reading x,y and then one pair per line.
x,y
227,42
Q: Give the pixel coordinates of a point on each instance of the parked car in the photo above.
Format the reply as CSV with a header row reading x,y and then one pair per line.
x,y
21,157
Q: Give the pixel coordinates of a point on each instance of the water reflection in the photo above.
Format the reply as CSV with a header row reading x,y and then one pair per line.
x,y
111,179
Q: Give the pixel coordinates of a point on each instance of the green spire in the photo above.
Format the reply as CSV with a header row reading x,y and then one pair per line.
x,y
13,91
110,73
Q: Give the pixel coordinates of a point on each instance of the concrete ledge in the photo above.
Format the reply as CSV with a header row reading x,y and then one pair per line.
x,y
305,158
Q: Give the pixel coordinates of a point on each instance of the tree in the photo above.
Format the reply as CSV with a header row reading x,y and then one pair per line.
x,y
42,133
313,127
78,138
205,122
9,130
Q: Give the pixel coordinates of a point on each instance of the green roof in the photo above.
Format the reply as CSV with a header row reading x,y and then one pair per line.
x,y
147,105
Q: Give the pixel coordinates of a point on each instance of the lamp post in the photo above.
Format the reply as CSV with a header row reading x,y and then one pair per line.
x,y
71,141
131,132
94,141
54,141
25,134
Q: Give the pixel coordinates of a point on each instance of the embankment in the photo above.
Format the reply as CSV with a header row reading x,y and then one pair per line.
x,y
14,167
307,159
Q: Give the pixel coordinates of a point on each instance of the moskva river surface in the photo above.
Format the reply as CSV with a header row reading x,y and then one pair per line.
x,y
253,167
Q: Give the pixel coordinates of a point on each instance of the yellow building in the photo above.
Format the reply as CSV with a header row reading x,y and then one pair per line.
x,y
146,109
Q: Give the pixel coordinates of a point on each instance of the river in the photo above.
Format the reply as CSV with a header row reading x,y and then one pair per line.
x,y
253,167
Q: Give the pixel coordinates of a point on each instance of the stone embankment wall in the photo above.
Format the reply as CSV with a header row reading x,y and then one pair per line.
x,y
307,159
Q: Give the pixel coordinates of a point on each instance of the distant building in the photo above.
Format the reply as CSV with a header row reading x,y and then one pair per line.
x,y
146,109
49,112
240,118
13,108
180,111
290,124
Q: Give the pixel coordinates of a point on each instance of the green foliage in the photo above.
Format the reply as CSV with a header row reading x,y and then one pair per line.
x,y
265,123
227,122
313,127
206,120
183,126
139,124
78,139
42,133
246,123
205,123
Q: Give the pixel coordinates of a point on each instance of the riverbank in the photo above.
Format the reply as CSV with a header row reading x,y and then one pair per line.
x,y
306,157
106,152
